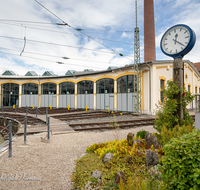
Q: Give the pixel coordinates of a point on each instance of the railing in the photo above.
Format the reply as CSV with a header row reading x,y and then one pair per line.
x,y
5,131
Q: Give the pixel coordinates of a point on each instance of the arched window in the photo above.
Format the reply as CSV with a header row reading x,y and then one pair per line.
x,y
10,92
30,88
126,84
162,86
105,85
85,87
66,88
48,88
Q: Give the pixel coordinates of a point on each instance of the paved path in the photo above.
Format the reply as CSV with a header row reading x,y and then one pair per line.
x,y
56,126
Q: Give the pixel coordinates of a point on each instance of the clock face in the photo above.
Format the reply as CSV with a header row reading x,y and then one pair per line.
x,y
175,40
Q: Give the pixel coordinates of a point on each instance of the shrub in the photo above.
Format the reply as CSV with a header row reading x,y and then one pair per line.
x,y
141,134
180,169
166,115
135,183
118,148
166,134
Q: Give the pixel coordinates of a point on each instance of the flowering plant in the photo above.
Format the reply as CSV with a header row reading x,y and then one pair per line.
x,y
166,115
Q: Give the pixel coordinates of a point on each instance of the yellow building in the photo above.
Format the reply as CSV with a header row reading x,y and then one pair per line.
x,y
114,88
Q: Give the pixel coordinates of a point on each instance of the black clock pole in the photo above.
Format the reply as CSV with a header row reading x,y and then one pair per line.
x,y
178,79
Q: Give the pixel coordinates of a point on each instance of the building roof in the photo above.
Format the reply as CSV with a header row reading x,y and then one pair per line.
x,y
112,67
86,70
197,65
8,72
70,72
48,73
31,73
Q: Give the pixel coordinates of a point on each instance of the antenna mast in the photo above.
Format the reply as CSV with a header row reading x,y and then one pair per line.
x,y
136,64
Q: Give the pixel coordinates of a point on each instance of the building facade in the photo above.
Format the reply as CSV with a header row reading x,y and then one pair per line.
x,y
113,89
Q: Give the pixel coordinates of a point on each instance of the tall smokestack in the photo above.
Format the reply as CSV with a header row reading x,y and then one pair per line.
x,y
149,31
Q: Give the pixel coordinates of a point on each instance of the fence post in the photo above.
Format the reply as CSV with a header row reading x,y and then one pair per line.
x,y
10,138
2,109
26,110
25,121
15,109
48,128
36,112
46,115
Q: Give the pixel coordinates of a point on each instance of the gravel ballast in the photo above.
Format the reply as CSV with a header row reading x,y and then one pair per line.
x,y
41,165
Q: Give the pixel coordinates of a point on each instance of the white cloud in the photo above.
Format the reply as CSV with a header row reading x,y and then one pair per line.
x,y
101,19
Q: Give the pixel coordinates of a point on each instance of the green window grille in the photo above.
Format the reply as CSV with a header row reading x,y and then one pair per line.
x,y
105,86
48,88
66,88
30,88
162,85
85,87
127,84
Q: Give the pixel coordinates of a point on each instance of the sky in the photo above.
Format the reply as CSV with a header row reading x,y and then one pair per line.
x,y
95,35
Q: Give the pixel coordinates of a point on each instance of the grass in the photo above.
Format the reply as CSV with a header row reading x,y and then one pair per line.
x,y
133,165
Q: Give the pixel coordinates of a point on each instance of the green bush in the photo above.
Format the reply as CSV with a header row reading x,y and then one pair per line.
x,y
181,162
167,134
166,114
141,134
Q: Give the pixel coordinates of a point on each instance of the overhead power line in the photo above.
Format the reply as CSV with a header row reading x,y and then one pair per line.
x,y
65,24
50,43
71,58
51,60
26,21
65,33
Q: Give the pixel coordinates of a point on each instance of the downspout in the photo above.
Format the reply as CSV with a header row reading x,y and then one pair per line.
x,y
149,86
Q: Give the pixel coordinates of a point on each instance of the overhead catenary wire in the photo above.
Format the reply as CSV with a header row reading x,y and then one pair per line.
x,y
65,24
52,61
34,22
65,33
28,21
56,56
50,43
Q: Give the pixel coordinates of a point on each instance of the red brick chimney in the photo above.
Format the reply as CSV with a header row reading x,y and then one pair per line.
x,y
149,31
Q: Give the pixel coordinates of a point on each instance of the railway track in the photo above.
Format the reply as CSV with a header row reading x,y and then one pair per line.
x,y
88,115
30,120
112,125
41,111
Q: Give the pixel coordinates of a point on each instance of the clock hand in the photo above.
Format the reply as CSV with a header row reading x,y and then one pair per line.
x,y
179,43
175,38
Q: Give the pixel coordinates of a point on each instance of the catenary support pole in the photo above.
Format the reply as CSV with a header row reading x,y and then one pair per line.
x,y
26,110
10,138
